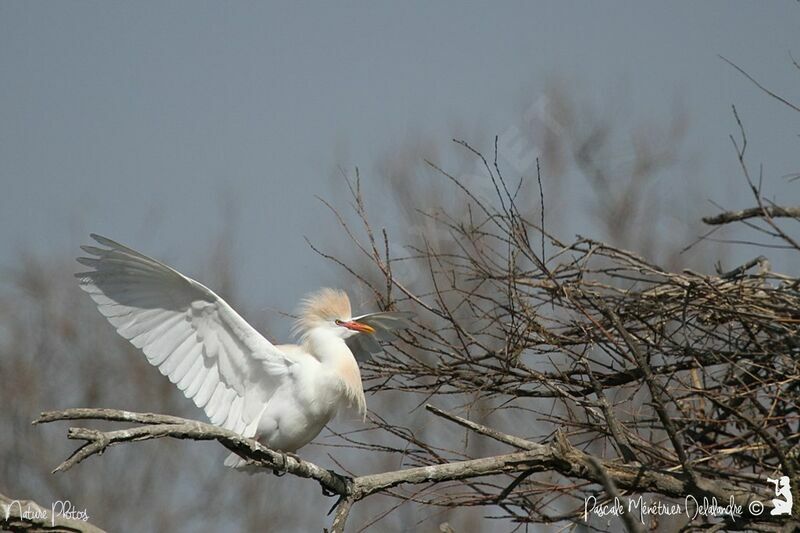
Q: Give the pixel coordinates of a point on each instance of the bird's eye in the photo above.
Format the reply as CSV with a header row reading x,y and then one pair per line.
x,y
337,322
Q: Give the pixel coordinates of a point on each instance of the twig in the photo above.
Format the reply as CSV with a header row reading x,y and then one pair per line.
x,y
630,523
752,212
757,84
517,442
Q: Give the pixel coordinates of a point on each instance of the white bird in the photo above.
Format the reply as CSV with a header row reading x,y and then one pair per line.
x,y
281,394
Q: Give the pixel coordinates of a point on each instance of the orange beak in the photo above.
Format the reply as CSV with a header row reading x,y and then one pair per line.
x,y
358,326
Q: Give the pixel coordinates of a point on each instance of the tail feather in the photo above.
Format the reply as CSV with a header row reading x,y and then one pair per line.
x,y
240,465
234,461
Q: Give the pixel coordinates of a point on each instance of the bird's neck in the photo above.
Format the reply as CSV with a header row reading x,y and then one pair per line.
x,y
331,350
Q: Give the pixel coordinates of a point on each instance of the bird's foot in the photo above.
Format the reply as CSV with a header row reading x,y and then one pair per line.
x,y
284,456
293,456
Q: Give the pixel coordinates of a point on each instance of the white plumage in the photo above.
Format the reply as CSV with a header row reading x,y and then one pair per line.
x,y
284,394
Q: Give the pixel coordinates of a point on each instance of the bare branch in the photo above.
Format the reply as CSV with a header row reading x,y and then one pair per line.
x,y
630,522
757,84
161,426
517,442
752,212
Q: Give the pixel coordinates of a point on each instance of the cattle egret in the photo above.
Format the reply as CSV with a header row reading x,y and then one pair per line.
x,y
281,394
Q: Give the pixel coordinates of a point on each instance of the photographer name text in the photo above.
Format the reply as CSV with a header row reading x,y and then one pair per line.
x,y
691,507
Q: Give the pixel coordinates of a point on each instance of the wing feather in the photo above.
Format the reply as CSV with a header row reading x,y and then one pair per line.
x,y
192,335
193,390
207,389
188,360
191,374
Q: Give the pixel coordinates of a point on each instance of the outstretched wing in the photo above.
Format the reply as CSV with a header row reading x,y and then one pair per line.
x,y
364,345
192,335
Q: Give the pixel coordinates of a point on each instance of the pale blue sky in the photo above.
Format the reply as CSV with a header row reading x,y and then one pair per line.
x,y
127,118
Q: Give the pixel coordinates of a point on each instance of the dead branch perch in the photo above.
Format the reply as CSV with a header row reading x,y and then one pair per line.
x,y
160,426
